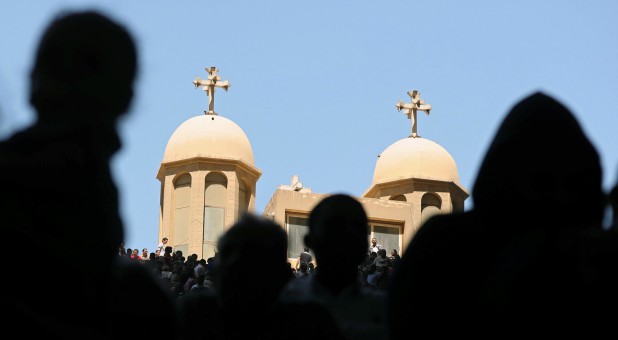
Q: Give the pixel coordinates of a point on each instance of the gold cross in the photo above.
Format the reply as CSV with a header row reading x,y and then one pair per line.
x,y
410,109
209,85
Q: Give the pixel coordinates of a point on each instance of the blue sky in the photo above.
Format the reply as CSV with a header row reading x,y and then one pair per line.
x,y
314,84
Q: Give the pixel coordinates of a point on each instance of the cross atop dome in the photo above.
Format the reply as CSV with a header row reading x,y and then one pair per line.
x,y
410,109
209,85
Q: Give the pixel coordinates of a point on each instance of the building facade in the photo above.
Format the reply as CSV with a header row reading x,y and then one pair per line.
x,y
208,180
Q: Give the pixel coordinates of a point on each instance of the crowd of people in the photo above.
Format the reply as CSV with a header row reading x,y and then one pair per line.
x,y
531,258
181,273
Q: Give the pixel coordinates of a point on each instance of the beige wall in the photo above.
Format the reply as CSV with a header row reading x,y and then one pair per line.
x,y
377,204
451,196
199,169
285,202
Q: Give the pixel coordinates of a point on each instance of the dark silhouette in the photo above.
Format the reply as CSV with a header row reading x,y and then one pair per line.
x,y
141,305
379,278
523,259
122,251
167,255
58,195
338,236
304,257
395,258
303,271
244,302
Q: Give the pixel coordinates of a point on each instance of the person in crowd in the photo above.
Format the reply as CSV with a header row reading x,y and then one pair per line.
x,y
381,272
395,258
292,270
135,255
199,285
191,280
136,284
162,245
374,247
200,268
152,264
303,271
122,251
167,256
177,257
81,83
312,268
338,236
304,257
246,292
526,258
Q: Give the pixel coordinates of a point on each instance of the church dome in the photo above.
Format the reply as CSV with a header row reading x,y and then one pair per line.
x,y
209,136
415,158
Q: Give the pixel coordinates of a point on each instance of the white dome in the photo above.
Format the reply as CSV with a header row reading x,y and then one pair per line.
x,y
209,136
415,158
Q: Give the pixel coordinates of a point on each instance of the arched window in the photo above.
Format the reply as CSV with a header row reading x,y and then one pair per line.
x,y
400,198
243,198
430,206
215,198
182,208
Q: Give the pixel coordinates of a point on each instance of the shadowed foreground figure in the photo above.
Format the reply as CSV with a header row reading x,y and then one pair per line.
x,y
59,203
244,303
531,257
338,236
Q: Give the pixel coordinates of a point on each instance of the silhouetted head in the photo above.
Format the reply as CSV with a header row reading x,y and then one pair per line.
x,y
251,266
134,284
338,232
84,70
540,164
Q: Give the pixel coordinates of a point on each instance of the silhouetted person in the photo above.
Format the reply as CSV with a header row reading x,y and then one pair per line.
x,y
142,306
514,264
304,257
338,236
244,302
395,258
58,195
122,251
303,271
380,276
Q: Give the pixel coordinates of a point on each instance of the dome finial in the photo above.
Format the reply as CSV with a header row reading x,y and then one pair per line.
x,y
209,85
410,109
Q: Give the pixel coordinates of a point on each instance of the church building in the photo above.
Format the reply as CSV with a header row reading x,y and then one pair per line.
x,y
208,180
